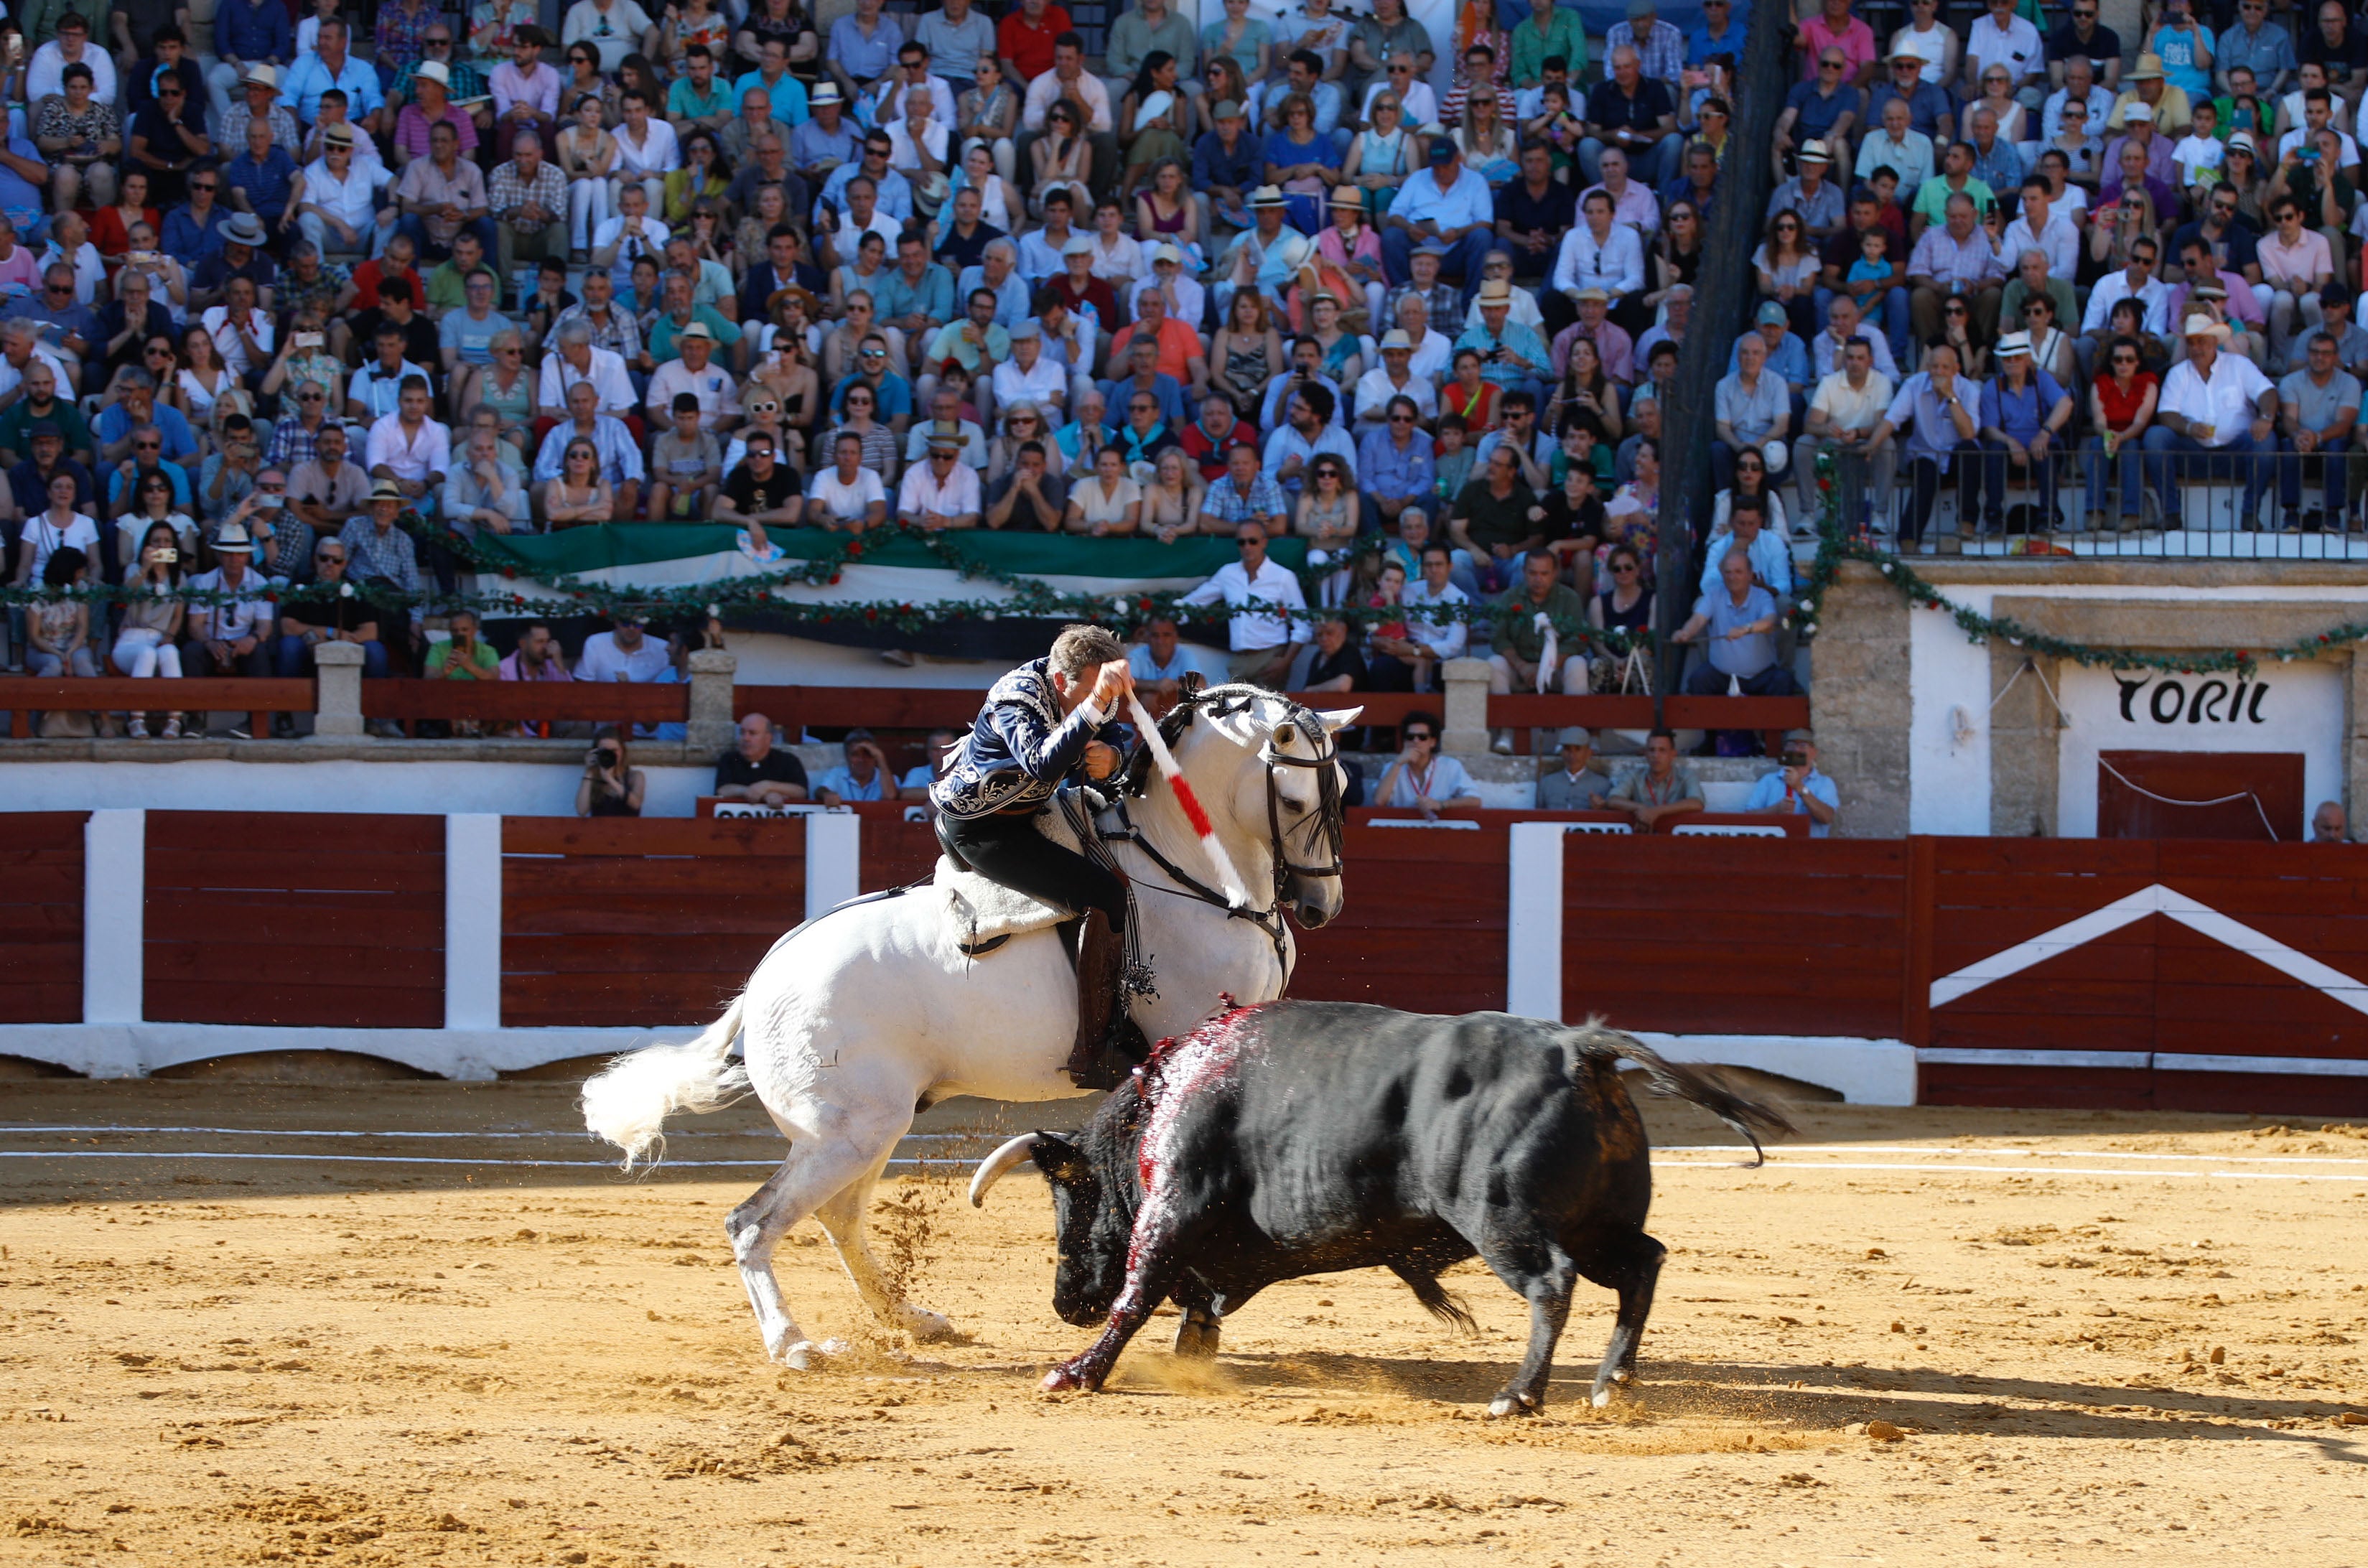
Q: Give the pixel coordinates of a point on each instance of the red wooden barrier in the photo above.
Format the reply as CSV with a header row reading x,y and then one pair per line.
x,y
640,921
1726,936
40,917
324,921
596,702
1424,928
2115,1004
24,695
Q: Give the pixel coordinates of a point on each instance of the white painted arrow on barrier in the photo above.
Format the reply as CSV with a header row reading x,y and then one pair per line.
x,y
2155,900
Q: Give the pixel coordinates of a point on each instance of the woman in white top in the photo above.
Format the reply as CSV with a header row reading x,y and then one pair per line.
x,y
2016,125
1109,503
57,527
1931,37
616,28
995,194
147,645
1116,255
203,378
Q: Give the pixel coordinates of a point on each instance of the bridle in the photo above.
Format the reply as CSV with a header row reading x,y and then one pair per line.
x,y
1324,824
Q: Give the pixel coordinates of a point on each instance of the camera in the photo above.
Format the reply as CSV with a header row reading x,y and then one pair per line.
x,y
1796,760
308,340
165,552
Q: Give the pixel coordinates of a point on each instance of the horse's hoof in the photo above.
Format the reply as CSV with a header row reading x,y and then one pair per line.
x,y
1511,1405
924,1324
802,1356
1619,1393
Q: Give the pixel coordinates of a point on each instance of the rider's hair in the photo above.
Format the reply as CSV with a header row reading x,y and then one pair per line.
x,y
1079,650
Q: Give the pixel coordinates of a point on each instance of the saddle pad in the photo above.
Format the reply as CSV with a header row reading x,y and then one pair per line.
x,y
984,913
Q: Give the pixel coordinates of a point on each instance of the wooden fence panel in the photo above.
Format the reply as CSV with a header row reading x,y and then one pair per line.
x,y
40,917
323,922
642,922
1424,925
1734,935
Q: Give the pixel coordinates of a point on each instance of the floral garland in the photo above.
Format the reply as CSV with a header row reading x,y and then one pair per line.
x,y
1836,545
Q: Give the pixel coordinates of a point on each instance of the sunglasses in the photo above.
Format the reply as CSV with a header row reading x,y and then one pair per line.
x,y
147,445
1419,735
324,556
1624,566
203,185
1249,544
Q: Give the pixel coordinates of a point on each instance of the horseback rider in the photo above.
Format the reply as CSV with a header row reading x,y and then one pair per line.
x,y
1048,722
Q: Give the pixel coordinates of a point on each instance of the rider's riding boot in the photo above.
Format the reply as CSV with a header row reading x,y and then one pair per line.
x,y
1102,961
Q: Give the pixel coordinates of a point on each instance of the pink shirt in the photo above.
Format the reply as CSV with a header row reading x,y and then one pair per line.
x,y
1855,39
2308,258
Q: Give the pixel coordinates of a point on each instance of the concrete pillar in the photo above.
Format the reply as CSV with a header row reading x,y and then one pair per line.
x,y
709,731
834,860
1864,701
338,707
114,916
1464,728
1534,922
472,921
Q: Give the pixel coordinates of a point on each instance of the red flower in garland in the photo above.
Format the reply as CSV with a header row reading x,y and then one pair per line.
x,y
871,615
833,580
854,551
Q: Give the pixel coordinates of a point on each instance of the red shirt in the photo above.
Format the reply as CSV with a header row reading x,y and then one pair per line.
x,y
2120,407
1029,46
1208,451
366,281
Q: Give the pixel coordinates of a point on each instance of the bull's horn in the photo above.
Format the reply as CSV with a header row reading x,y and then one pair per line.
x,y
1019,1151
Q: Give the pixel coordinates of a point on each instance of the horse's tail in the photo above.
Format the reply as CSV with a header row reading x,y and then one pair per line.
x,y
627,1102
1704,1087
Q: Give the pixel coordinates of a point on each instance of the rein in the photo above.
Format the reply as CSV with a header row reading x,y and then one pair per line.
x,y
1327,818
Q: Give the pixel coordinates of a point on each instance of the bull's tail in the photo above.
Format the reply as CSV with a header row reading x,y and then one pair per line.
x,y
1704,1087
627,1101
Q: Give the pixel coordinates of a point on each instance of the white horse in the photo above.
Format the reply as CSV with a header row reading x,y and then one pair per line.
x,y
860,1018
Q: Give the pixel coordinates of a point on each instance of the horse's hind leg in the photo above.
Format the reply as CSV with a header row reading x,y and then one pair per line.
x,y
815,1168
842,1216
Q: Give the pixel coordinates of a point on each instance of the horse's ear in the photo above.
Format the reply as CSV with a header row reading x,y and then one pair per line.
x,y
1285,734
1339,718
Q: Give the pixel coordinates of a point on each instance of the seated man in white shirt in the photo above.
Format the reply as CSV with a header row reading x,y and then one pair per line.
x,y
1266,629
1030,375
624,653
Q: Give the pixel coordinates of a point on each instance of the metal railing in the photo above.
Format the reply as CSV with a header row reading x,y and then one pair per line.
x,y
2142,503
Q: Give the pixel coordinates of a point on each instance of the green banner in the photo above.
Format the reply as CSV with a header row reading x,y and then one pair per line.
x,y
604,546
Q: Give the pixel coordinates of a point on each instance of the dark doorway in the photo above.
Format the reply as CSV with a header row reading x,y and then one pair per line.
x,y
2207,794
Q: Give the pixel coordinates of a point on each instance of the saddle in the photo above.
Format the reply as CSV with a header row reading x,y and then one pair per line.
x,y
984,913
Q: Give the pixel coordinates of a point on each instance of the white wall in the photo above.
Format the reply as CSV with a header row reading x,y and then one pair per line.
x,y
1948,780
2293,708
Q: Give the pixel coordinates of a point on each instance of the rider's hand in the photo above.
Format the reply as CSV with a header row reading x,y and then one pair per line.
x,y
1101,761
1113,682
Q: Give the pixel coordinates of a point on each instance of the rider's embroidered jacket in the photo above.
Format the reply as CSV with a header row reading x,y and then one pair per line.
x,y
1019,749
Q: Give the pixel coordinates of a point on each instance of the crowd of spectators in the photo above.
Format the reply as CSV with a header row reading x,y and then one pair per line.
x,y
378,285
2016,255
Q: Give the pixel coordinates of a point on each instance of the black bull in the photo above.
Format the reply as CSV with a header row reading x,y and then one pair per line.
x,y
1300,1138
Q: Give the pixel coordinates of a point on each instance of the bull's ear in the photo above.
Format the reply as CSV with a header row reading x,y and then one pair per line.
x,y
1058,1156
1339,718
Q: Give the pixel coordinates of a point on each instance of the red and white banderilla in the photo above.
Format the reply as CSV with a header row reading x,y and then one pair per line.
x,y
1164,760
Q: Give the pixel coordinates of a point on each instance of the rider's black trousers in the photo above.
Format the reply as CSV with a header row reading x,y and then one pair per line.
x,y
1007,847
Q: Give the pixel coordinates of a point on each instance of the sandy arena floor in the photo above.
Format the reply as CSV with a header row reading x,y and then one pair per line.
x,y
2099,1337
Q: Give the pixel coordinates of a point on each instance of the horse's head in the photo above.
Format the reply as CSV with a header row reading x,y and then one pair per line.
x,y
1269,769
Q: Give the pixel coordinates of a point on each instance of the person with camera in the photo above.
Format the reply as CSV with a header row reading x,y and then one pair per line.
x,y
1796,788
611,785
145,643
